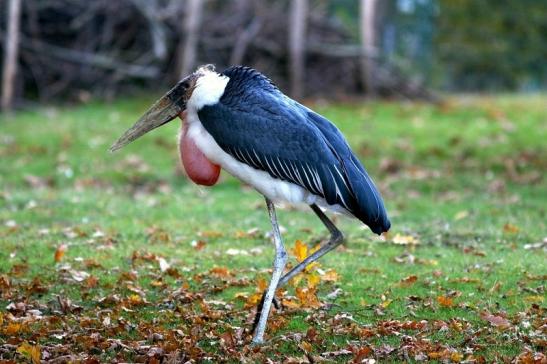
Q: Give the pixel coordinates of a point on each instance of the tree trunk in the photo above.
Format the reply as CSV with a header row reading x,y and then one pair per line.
x,y
297,46
10,57
188,50
368,13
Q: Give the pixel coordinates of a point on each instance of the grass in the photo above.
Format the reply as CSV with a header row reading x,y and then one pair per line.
x,y
464,184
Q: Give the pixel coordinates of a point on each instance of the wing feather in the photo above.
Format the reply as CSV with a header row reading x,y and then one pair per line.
x,y
270,132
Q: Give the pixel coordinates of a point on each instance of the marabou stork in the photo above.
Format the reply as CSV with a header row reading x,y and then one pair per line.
x,y
240,121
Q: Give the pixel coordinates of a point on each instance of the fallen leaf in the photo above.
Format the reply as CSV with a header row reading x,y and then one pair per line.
x,y
527,357
399,239
408,281
164,266
158,235
308,297
60,252
91,282
300,250
79,276
306,346
361,354
220,272
313,280
496,321
456,357
198,244
233,251
510,228
227,339
540,245
253,299
13,328
29,351
330,276
445,301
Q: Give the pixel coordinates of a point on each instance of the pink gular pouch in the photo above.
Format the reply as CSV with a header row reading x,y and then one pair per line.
x,y
200,169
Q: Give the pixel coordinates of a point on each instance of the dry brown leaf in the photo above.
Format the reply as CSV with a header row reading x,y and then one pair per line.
x,y
308,297
31,352
198,244
445,301
399,239
362,354
330,276
220,272
496,321
510,228
60,252
227,340
306,346
527,357
13,328
408,281
456,357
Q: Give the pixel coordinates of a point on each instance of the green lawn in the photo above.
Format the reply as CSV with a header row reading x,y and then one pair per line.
x,y
157,269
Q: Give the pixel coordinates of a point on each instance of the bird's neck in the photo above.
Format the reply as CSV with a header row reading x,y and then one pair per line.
x,y
208,90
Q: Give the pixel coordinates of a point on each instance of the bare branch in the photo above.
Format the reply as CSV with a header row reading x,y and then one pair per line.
x,y
92,59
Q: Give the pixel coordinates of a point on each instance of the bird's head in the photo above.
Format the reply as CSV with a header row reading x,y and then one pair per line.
x,y
167,108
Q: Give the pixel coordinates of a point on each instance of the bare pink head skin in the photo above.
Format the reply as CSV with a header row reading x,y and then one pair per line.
x,y
168,107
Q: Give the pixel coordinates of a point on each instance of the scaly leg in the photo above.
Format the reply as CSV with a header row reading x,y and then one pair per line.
x,y
279,264
336,239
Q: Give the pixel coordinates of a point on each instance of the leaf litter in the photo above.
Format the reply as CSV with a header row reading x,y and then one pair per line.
x,y
154,313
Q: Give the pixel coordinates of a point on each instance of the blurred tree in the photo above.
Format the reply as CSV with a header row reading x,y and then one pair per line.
x,y
187,52
297,46
491,44
78,49
369,24
11,53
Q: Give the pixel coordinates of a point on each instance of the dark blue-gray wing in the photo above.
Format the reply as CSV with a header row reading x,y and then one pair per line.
x,y
275,134
371,208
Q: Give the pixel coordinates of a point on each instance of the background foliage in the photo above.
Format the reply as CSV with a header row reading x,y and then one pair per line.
x,y
494,45
72,49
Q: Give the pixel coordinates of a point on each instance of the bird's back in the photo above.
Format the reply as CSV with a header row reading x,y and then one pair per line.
x,y
258,125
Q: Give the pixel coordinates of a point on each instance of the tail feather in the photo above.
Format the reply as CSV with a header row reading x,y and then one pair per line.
x,y
370,206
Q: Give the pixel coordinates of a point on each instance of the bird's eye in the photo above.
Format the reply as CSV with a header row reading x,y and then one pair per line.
x,y
185,84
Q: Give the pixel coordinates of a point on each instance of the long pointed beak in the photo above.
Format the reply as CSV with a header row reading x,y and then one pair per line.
x,y
163,111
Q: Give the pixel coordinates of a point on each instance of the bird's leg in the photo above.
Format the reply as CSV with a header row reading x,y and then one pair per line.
x,y
336,239
279,264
